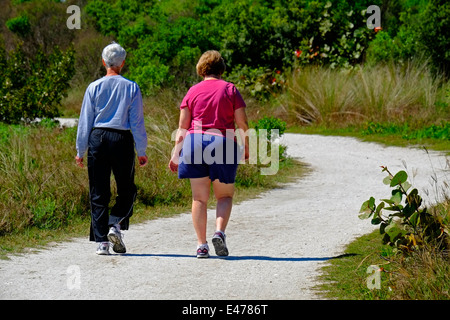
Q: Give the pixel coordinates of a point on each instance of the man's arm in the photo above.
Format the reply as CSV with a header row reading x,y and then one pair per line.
x,y
137,124
85,124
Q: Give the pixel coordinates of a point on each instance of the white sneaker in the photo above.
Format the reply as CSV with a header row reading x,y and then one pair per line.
x,y
115,237
203,251
103,249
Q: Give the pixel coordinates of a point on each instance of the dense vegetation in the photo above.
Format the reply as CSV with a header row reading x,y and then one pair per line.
x,y
261,41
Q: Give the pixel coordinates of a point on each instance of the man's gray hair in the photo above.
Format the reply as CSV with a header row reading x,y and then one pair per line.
x,y
113,55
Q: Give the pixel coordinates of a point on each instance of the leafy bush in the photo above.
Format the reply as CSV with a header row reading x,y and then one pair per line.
x,y
264,126
435,33
20,25
33,87
407,227
269,124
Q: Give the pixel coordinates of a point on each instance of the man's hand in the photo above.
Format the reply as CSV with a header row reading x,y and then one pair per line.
x,y
79,161
143,160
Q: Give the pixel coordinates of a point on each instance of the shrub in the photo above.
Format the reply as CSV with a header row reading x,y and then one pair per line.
x,y
435,33
406,227
20,25
269,124
34,87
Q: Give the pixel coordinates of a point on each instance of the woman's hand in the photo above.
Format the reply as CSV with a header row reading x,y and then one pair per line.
x,y
173,163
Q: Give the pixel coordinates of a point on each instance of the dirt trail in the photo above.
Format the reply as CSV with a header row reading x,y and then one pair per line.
x,y
277,242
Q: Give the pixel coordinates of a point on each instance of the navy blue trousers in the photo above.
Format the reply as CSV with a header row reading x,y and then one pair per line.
x,y
110,151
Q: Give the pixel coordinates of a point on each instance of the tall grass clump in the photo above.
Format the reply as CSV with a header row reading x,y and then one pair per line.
x,y
367,93
39,186
425,274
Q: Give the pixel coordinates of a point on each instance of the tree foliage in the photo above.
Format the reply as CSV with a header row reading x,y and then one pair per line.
x,y
261,40
258,35
33,87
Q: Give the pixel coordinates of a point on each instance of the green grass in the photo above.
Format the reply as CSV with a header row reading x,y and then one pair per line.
x,y
401,137
345,277
422,275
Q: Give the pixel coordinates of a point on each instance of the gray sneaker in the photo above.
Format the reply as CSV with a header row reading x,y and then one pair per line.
x,y
219,243
103,249
115,237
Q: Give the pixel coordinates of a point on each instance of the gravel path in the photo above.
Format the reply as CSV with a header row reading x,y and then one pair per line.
x,y
278,242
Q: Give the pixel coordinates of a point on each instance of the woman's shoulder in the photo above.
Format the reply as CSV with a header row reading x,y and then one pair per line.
x,y
219,83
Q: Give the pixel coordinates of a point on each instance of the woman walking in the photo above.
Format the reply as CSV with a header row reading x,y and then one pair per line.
x,y
205,148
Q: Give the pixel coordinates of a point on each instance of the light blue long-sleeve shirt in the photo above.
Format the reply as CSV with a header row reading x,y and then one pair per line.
x,y
112,102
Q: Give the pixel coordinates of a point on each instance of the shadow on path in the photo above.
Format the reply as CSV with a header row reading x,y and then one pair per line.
x,y
234,258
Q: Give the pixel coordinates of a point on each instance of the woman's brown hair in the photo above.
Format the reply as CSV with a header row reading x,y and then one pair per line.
x,y
210,63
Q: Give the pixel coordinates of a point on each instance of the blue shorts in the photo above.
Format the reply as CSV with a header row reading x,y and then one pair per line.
x,y
206,155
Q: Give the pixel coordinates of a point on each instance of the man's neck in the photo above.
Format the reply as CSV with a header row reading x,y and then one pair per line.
x,y
112,72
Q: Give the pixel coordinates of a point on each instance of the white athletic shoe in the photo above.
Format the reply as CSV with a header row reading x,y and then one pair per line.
x,y
103,249
115,237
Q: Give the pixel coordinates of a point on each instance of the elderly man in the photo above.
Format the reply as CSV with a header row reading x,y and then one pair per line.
x,y
110,128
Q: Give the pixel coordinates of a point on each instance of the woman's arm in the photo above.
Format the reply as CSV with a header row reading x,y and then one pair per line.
x,y
240,117
183,125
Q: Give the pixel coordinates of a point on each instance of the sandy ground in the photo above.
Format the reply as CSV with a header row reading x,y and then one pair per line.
x,y
278,242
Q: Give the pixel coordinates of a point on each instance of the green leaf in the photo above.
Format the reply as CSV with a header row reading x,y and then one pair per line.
x,y
406,185
383,226
387,180
367,208
399,178
396,196
394,230
394,208
368,205
376,220
414,199
388,201
379,208
414,219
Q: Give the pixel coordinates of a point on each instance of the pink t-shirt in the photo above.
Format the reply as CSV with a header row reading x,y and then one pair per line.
x,y
212,104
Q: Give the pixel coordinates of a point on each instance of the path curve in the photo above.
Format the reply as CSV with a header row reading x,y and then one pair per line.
x,y
278,242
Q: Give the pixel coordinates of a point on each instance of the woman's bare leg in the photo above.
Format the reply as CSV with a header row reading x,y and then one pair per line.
x,y
200,195
224,194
